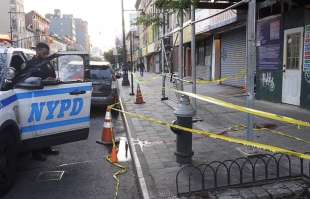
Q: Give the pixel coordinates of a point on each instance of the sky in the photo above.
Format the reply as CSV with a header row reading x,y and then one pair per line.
x,y
103,16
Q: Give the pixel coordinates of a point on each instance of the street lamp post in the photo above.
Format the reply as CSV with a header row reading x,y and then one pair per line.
x,y
125,81
131,59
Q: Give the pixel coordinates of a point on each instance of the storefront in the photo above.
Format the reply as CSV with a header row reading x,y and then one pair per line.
x,y
269,58
204,58
233,57
283,58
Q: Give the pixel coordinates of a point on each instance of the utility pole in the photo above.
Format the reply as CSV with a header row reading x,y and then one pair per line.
x,y
181,57
193,57
131,61
11,26
251,64
125,81
163,55
163,46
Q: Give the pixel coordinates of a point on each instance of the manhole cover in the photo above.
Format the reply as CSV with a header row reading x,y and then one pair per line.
x,y
50,176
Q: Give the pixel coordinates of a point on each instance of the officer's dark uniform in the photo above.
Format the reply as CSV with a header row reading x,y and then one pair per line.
x,y
38,67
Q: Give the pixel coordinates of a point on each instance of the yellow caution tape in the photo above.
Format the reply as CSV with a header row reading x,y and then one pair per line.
x,y
237,76
122,168
218,81
259,113
270,148
238,128
116,175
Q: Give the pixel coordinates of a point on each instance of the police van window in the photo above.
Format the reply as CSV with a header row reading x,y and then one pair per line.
x,y
3,60
18,63
70,68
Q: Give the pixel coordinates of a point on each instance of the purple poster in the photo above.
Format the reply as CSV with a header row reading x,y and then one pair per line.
x,y
269,41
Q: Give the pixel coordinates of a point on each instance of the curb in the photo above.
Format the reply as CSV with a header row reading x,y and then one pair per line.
x,y
142,183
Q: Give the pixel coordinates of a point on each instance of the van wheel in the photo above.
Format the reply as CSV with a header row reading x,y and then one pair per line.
x,y
8,154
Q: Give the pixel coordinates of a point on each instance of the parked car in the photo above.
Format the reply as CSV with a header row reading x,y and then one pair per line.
x,y
102,76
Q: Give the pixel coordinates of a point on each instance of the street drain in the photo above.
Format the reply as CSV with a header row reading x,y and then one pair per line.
x,y
50,176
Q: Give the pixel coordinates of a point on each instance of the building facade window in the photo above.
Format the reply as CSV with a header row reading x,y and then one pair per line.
x,y
200,55
208,55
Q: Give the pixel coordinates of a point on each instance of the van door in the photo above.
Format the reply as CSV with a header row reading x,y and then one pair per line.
x,y
60,112
60,109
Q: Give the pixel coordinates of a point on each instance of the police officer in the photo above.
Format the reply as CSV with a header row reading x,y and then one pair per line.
x,y
39,66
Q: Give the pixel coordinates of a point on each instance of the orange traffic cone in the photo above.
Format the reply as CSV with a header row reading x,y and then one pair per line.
x,y
139,97
106,136
114,155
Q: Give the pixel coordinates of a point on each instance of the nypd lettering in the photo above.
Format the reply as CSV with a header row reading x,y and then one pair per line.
x,y
55,109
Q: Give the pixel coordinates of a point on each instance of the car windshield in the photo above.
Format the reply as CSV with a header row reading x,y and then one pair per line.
x,y
71,68
101,75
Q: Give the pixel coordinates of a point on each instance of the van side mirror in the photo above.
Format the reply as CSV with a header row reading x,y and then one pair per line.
x,y
31,83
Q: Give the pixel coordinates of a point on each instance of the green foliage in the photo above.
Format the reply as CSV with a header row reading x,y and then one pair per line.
x,y
148,20
108,55
175,4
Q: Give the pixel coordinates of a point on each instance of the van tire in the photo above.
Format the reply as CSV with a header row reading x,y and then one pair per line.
x,y
8,157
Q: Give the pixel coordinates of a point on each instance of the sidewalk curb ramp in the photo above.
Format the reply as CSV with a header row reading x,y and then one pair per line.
x,y
140,177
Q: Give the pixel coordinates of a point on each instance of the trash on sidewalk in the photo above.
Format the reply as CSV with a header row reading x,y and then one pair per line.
x,y
123,151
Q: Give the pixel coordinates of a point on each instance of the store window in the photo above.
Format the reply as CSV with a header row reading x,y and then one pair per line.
x,y
200,55
208,57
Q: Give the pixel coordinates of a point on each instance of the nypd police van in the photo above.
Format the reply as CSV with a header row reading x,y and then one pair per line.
x,y
38,113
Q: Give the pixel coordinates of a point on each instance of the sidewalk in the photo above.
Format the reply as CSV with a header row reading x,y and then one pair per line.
x,y
155,145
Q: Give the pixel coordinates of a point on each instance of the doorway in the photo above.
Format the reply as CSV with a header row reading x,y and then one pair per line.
x,y
292,66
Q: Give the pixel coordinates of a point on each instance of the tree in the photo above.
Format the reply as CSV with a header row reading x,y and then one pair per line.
x,y
175,4
108,56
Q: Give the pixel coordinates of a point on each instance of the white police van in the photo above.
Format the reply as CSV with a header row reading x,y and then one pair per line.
x,y
38,113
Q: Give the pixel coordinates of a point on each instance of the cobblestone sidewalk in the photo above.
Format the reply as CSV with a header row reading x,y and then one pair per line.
x,y
155,144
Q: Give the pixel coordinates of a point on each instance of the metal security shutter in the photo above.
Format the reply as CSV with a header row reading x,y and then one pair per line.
x,y
208,58
233,56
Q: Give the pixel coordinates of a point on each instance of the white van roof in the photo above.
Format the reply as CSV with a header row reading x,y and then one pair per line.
x,y
92,63
99,63
11,50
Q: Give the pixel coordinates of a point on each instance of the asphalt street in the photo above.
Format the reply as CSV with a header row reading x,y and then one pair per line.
x,y
80,171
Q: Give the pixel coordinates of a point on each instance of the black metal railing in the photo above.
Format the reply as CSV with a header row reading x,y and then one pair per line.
x,y
240,172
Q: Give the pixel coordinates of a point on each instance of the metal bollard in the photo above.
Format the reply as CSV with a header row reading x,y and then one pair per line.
x,y
184,113
163,90
125,81
132,92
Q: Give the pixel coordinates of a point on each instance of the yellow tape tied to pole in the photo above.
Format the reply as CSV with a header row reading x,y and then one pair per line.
x,y
259,113
265,147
